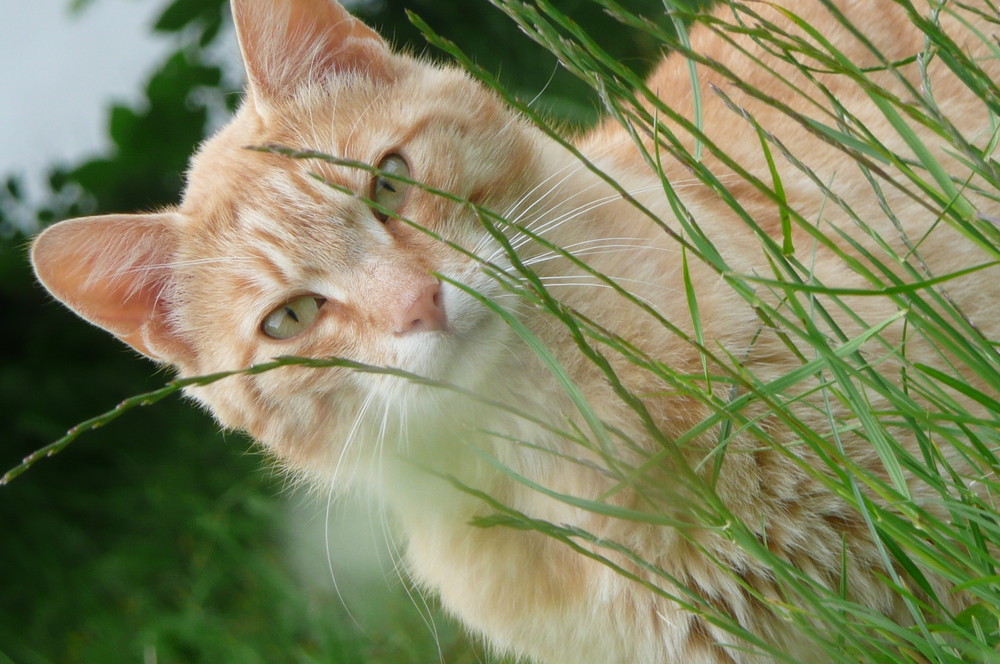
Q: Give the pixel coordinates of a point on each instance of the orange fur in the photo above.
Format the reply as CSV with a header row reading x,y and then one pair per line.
x,y
255,230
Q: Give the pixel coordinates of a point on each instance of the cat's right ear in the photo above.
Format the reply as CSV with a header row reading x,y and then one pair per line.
x,y
115,271
288,44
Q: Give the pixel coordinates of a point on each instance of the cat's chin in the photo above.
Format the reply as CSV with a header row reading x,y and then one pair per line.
x,y
449,376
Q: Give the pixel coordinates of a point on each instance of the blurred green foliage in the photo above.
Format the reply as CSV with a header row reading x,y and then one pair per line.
x,y
155,539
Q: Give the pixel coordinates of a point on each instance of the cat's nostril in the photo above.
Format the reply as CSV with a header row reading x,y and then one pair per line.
x,y
425,313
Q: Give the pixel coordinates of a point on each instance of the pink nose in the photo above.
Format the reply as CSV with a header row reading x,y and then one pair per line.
x,y
424,312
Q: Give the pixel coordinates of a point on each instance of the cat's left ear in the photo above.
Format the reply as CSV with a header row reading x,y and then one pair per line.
x,y
115,271
288,44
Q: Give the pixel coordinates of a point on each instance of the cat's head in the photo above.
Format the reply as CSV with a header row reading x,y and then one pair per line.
x,y
262,259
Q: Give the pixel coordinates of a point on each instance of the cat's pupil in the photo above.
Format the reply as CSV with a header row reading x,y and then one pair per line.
x,y
386,193
293,318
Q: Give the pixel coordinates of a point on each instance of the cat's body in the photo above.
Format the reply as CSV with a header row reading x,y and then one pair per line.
x,y
255,231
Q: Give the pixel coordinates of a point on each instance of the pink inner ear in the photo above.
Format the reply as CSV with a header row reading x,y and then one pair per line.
x,y
114,271
288,44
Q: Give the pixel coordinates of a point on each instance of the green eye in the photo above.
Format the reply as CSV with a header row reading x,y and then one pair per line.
x,y
292,318
387,192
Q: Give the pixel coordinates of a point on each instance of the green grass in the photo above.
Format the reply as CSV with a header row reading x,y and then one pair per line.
x,y
230,593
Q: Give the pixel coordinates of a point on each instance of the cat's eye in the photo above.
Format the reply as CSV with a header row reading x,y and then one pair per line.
x,y
292,318
388,192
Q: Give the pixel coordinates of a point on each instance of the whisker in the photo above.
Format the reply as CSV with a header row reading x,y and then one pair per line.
x,y
602,285
594,251
597,240
521,238
576,212
348,441
575,166
396,558
613,278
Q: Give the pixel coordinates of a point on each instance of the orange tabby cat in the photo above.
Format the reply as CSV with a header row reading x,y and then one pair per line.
x,y
262,260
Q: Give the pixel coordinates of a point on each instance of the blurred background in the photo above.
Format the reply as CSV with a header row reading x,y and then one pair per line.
x,y
159,538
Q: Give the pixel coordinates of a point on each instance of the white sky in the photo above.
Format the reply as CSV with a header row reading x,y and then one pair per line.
x,y
60,74
62,71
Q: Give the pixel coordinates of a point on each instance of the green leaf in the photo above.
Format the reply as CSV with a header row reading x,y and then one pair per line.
x,y
180,14
122,126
